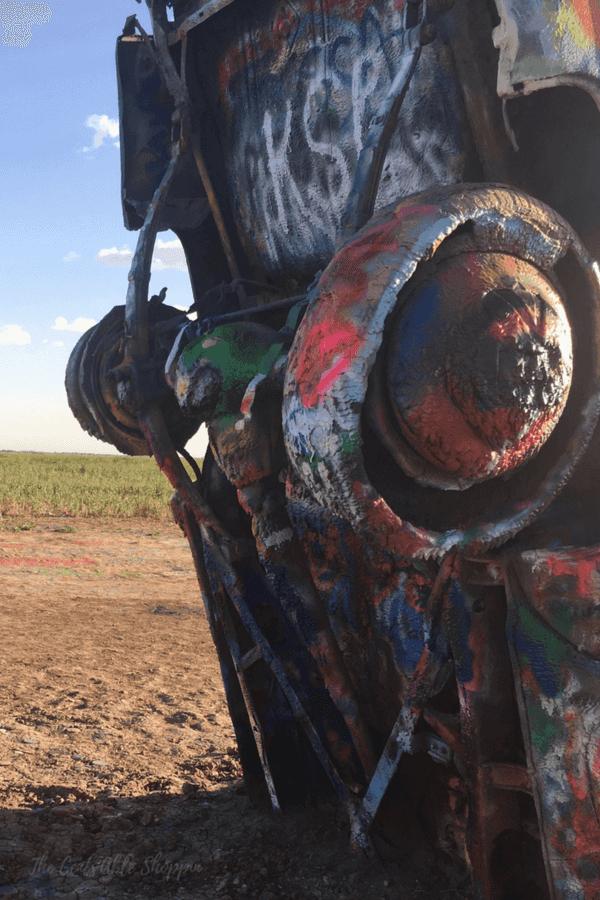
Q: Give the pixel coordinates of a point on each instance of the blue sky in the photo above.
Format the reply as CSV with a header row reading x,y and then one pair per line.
x,y
64,251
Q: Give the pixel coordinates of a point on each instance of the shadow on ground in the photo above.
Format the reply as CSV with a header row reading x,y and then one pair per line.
x,y
206,846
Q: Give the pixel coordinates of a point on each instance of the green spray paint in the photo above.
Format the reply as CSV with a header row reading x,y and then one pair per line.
x,y
545,731
236,358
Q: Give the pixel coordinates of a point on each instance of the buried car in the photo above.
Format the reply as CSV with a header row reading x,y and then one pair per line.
x,y
388,210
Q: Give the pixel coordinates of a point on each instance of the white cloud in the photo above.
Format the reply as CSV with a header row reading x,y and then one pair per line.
x,y
104,128
14,334
168,245
167,255
192,316
79,324
71,255
17,19
57,344
112,257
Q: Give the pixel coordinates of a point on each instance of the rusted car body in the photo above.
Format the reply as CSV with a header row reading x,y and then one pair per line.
x,y
389,211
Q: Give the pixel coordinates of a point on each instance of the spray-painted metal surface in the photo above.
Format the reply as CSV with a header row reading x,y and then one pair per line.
x,y
546,43
553,600
392,259
338,341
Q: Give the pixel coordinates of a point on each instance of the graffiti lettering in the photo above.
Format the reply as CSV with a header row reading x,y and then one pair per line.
x,y
298,112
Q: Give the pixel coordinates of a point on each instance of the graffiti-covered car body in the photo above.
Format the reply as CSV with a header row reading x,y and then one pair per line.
x,y
389,215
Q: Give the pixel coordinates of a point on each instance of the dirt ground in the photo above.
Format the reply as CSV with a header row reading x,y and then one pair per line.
x,y
119,775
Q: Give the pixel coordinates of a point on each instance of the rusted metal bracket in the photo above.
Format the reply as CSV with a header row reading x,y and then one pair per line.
x,y
438,749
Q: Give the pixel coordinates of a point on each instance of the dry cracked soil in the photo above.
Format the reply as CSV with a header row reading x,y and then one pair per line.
x,y
119,774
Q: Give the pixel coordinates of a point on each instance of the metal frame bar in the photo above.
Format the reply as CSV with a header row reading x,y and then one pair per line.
x,y
241,662
207,10
260,642
400,739
225,550
175,83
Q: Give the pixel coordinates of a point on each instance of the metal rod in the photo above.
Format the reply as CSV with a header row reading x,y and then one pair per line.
x,y
162,56
155,431
362,196
231,584
214,204
207,10
136,303
254,310
191,462
226,659
257,731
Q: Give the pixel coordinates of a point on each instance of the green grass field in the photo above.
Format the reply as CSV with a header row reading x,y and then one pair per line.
x,y
81,485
